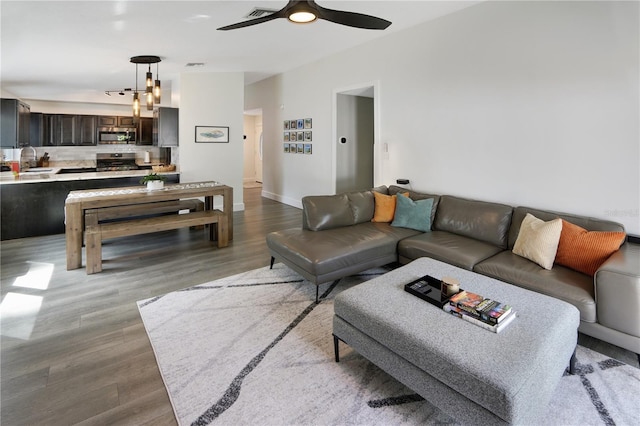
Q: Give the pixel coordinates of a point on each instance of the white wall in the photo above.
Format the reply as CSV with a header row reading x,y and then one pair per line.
x,y
212,99
526,103
287,178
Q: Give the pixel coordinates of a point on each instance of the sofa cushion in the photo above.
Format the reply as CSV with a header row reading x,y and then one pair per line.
x,y
559,282
488,222
418,196
413,214
326,212
382,189
455,249
584,251
588,223
384,208
538,240
331,251
362,205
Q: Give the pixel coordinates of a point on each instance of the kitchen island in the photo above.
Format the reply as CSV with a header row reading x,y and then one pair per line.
x,y
33,203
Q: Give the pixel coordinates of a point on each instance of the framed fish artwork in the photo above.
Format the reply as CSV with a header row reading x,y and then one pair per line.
x,y
212,134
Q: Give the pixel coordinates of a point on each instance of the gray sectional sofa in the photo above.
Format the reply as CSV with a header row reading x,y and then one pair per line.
x,y
338,238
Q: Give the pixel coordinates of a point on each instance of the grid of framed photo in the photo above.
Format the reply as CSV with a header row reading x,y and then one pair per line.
x,y
298,136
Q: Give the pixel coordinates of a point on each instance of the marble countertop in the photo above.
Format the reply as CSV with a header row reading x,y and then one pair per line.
x,y
51,174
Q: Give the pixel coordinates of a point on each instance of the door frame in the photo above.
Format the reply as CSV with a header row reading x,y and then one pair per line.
x,y
355,90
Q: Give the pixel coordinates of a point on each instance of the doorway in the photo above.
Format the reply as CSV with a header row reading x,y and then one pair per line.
x,y
252,176
355,135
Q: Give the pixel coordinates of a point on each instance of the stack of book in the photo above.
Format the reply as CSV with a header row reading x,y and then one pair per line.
x,y
486,313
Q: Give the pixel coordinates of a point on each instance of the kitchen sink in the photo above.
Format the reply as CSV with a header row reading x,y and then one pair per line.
x,y
78,170
38,170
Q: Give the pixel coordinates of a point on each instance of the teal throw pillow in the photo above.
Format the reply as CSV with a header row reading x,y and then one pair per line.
x,y
413,214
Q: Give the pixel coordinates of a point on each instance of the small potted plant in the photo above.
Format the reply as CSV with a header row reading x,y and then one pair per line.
x,y
153,181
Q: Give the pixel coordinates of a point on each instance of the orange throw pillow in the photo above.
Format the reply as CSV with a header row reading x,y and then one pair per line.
x,y
584,251
385,207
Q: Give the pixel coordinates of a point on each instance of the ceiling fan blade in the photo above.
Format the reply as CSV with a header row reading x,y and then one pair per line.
x,y
351,19
251,22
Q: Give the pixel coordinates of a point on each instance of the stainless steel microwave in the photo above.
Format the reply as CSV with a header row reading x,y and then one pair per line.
x,y
117,135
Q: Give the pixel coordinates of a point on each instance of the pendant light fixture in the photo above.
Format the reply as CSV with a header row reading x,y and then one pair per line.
x,y
152,91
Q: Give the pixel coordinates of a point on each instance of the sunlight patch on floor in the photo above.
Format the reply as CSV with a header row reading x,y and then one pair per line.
x,y
18,314
38,276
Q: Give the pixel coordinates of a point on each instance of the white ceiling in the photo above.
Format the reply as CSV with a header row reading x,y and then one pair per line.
x,y
75,50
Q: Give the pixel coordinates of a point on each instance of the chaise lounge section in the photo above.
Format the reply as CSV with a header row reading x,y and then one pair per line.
x,y
337,238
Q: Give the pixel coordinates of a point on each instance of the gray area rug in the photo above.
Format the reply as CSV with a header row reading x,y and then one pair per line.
x,y
255,349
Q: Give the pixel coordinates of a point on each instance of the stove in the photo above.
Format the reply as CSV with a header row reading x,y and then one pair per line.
x,y
116,162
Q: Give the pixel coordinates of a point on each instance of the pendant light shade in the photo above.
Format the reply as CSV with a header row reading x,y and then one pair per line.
x,y
136,106
149,90
149,82
149,97
157,92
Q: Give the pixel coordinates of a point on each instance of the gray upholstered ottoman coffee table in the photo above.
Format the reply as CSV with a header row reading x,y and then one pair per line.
x,y
473,375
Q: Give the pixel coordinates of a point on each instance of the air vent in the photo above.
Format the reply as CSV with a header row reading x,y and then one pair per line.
x,y
194,64
259,12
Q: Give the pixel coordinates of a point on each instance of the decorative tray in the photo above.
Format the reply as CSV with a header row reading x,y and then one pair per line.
x,y
428,288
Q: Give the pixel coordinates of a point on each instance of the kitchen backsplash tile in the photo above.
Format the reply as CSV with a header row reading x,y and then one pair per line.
x,y
87,154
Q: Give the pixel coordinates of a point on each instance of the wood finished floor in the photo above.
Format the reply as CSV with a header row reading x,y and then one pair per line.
x,y
81,354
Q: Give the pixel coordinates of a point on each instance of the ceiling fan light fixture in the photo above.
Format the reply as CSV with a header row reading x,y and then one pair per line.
x,y
301,13
302,17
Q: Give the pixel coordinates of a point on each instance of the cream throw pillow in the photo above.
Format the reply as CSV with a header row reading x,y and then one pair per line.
x,y
538,240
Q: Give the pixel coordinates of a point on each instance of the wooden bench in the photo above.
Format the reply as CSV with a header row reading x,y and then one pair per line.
x,y
96,230
160,207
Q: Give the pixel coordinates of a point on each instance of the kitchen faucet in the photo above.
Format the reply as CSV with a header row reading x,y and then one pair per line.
x,y
29,163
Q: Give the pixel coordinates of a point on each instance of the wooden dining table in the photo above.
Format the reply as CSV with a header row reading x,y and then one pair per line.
x,y
80,204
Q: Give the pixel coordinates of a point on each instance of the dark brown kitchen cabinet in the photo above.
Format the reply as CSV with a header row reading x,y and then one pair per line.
x,y
126,122
36,129
49,130
14,123
57,129
85,130
145,131
67,129
107,121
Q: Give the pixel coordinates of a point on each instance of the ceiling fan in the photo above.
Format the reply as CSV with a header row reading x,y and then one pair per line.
x,y
302,12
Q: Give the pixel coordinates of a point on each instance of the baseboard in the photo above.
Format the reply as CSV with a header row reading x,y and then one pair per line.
x,y
285,200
